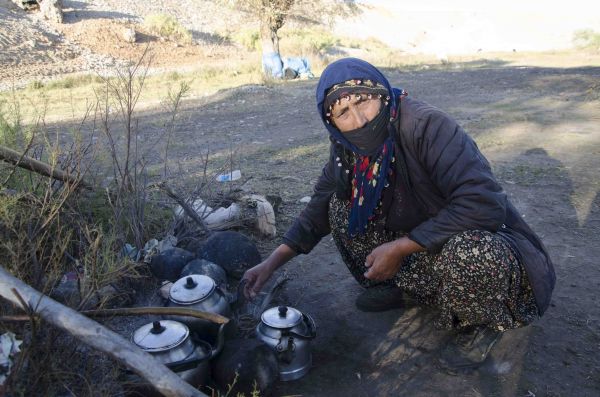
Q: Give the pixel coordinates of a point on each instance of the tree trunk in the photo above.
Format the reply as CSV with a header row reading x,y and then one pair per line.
x,y
272,16
20,160
268,36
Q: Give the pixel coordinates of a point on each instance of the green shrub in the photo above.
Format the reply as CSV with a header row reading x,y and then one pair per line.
x,y
587,39
35,85
74,81
174,76
13,134
249,38
167,26
306,41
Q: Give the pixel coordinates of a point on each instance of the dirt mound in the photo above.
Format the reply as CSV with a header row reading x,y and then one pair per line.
x,y
90,39
29,47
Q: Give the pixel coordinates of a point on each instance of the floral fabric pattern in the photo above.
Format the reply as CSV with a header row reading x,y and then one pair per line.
x,y
475,279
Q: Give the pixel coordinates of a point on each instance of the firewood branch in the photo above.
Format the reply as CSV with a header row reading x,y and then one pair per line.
x,y
28,163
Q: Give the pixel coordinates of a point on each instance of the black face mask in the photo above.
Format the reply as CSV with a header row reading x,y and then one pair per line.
x,y
371,136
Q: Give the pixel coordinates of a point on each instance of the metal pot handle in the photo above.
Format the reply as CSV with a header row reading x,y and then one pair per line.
x,y
184,365
312,328
220,341
238,298
216,349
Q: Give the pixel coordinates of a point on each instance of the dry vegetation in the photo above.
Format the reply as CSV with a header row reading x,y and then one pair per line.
x,y
53,229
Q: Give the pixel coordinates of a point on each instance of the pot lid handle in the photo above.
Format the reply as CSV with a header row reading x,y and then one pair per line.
x,y
282,311
190,283
157,328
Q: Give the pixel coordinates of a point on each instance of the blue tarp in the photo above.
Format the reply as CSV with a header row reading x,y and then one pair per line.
x,y
289,67
272,64
298,65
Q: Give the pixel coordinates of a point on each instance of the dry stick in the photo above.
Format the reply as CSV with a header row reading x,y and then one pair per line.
x,y
135,311
16,158
97,336
170,311
188,210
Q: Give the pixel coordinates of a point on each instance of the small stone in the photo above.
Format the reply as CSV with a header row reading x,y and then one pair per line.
x,y
233,251
305,199
129,35
206,268
52,10
168,264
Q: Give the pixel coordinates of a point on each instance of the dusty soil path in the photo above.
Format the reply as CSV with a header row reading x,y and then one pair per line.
x,y
540,129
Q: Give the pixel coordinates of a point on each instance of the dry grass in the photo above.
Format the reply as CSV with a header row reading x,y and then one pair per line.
x,y
51,228
167,27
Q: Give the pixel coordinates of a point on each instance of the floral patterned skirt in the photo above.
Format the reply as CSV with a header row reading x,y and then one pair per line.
x,y
475,279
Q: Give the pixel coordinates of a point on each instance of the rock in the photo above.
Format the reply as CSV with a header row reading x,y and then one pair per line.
x,y
233,251
191,244
67,290
275,201
129,35
206,268
253,361
168,264
265,214
305,199
52,10
165,289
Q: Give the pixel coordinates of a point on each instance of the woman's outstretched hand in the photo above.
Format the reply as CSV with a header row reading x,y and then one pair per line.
x,y
255,278
385,261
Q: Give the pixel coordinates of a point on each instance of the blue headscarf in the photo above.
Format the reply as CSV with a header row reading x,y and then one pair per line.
x,y
371,173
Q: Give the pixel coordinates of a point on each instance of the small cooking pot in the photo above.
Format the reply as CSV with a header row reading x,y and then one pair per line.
x,y
171,343
288,332
198,292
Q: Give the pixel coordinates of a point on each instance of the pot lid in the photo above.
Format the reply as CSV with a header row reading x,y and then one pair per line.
x,y
161,335
281,317
192,289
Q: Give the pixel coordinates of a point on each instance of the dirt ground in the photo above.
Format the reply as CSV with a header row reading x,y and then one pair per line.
x,y
539,127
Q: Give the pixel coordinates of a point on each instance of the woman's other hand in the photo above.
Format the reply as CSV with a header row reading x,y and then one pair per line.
x,y
385,261
255,278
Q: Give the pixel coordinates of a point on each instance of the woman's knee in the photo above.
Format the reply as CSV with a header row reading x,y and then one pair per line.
x,y
475,253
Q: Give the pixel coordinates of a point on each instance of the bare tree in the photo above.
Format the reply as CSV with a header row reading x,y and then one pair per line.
x,y
272,14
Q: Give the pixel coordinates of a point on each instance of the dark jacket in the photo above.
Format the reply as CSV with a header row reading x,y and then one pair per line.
x,y
454,187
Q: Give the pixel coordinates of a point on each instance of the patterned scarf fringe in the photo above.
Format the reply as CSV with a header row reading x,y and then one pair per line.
x,y
370,176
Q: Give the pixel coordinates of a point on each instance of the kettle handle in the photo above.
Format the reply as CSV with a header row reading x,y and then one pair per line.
x,y
312,328
220,341
216,349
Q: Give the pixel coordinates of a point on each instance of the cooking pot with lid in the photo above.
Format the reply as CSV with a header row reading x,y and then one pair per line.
x,y
198,292
172,344
288,332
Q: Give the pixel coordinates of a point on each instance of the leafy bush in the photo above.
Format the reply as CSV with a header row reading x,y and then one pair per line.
x,y
307,41
35,85
72,81
587,39
249,38
167,26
